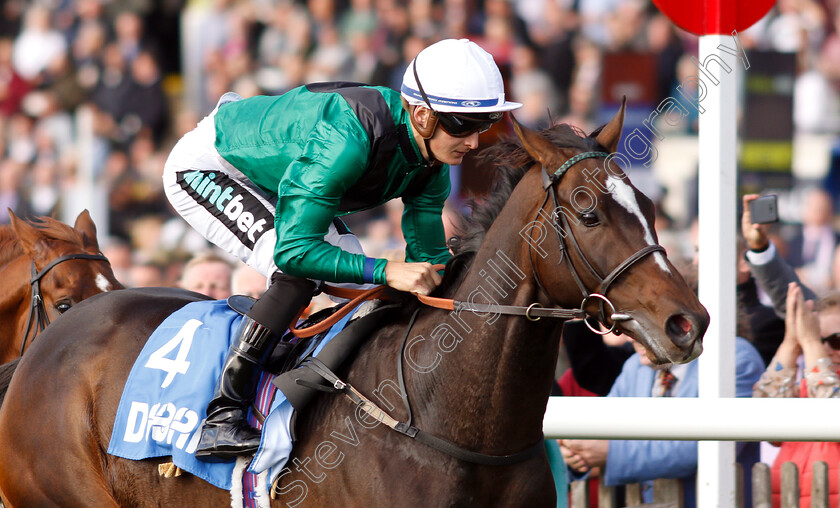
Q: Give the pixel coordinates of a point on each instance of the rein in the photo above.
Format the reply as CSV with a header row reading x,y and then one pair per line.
x,y
37,307
532,312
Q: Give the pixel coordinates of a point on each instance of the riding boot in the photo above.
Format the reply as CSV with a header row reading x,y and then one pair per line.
x,y
226,433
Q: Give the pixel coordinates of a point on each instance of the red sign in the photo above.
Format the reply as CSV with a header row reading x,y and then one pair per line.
x,y
721,17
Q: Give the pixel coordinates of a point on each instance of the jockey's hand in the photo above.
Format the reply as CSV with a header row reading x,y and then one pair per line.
x,y
416,278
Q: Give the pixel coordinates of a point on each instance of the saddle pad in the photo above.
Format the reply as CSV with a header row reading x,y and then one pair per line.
x,y
165,398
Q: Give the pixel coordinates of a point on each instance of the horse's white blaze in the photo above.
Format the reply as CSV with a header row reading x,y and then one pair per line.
x,y
624,195
102,283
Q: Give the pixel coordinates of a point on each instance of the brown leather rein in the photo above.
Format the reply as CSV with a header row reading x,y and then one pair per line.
x,y
37,307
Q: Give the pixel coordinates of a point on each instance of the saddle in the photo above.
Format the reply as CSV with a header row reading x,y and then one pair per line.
x,y
291,352
297,383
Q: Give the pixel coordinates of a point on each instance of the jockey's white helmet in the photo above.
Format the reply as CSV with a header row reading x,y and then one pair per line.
x,y
456,75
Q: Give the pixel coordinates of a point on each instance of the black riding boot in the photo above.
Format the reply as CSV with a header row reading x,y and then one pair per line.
x,y
226,433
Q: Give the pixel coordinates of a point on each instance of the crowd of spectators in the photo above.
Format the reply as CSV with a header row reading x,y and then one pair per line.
x,y
145,72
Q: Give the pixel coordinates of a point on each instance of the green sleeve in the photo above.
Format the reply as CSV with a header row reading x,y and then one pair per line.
x,y
308,197
422,224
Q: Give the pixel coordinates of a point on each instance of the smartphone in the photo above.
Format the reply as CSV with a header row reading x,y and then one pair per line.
x,y
764,210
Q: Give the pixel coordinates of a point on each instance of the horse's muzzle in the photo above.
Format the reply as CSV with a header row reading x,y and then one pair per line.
x,y
686,331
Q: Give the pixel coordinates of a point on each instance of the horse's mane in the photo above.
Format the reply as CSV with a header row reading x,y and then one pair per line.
x,y
509,161
10,245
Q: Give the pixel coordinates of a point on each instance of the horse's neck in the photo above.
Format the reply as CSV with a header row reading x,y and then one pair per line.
x,y
503,366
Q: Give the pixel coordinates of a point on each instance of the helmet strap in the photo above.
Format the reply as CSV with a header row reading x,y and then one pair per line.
x,y
427,131
431,124
432,160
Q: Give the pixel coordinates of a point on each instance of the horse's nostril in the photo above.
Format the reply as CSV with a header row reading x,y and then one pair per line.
x,y
678,326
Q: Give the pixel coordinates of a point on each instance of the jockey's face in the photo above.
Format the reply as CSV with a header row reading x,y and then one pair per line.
x,y
445,147
449,149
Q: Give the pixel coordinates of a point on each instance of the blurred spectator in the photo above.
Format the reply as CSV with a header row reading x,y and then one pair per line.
x,y
119,254
147,273
247,281
209,274
331,59
146,108
38,43
110,93
595,360
10,199
811,251
663,41
814,336
767,328
129,36
534,88
86,52
43,192
12,86
554,35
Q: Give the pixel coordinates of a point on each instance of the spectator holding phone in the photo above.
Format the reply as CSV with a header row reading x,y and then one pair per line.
x,y
771,272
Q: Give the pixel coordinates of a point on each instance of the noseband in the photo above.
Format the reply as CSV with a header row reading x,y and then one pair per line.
x,y
37,307
562,224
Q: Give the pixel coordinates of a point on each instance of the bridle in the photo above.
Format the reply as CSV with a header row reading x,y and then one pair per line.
x,y
562,225
37,307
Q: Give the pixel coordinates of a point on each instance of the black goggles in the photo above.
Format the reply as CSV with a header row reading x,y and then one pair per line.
x,y
459,125
463,125
832,340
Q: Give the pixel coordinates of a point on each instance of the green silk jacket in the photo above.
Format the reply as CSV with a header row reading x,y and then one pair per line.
x,y
330,149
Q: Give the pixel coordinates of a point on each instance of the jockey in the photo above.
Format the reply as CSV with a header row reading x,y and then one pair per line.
x,y
300,160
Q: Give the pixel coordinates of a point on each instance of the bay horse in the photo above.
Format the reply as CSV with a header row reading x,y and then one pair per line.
x,y
46,267
478,378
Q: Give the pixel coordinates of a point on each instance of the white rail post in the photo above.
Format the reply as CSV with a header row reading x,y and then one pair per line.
x,y
717,220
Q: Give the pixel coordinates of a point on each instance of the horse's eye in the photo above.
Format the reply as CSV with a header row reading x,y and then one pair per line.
x,y
63,306
590,219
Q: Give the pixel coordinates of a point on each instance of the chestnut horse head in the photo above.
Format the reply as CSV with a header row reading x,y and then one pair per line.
x,y
46,267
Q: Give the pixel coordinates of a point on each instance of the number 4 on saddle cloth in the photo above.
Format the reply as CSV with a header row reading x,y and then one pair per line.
x,y
165,398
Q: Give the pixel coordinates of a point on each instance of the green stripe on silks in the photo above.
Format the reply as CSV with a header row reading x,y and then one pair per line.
x,y
558,471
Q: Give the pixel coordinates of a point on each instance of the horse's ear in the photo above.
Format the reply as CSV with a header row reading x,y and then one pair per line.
x,y
84,226
610,134
28,234
539,148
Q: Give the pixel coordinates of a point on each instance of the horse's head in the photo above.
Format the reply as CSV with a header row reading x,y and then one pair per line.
x,y
68,260
594,234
